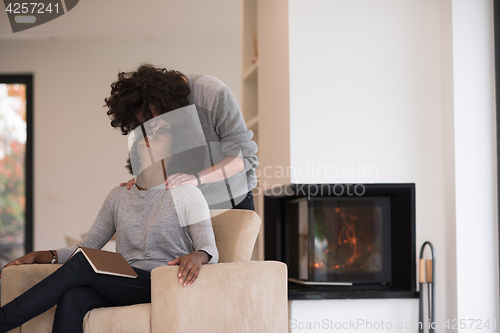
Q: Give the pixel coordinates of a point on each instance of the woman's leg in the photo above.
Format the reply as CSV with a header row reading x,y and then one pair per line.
x,y
76,272
73,306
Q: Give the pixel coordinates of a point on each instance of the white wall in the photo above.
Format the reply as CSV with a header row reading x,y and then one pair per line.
x,y
348,315
391,91
79,157
448,171
365,88
365,91
475,161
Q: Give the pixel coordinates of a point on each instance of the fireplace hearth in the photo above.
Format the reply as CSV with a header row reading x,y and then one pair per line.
x,y
343,240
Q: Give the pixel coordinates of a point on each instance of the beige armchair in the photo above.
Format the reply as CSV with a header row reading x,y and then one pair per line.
x,y
234,295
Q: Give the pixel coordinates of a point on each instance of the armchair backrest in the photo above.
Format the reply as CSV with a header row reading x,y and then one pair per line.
x,y
235,233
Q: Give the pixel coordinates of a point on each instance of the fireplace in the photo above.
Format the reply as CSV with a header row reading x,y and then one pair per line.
x,y
343,237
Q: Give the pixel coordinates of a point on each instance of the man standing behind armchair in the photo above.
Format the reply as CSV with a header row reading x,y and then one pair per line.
x,y
229,177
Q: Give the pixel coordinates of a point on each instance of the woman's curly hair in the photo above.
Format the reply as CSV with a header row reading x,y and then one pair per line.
x,y
135,92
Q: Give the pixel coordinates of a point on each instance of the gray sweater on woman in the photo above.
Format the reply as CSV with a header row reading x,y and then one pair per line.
x,y
152,226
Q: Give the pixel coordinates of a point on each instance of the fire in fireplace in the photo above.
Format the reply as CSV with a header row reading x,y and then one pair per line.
x,y
367,241
339,239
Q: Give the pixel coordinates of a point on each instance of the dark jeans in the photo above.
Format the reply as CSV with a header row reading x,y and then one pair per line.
x,y
76,289
247,202
244,202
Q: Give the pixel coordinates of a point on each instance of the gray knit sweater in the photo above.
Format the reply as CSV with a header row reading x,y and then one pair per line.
x,y
153,226
225,130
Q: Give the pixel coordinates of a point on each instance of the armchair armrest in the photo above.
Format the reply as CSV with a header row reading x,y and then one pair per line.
x,y
226,297
18,279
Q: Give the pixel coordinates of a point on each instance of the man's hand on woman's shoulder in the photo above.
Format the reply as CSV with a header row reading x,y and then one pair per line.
x,y
172,181
129,184
180,179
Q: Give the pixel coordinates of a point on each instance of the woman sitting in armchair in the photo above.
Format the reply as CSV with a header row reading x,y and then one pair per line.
x,y
154,226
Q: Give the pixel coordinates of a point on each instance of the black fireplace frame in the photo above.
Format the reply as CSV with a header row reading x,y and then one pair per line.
x,y
403,238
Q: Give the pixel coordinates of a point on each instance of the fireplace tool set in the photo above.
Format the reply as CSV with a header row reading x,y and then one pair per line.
x,y
427,275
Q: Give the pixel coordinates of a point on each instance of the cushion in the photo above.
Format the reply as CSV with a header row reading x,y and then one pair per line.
x,y
119,319
235,233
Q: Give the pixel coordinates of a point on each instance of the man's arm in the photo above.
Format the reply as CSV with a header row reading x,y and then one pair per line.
x,y
236,144
227,167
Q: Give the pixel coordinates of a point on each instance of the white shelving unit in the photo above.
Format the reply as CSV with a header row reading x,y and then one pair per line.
x,y
266,94
250,98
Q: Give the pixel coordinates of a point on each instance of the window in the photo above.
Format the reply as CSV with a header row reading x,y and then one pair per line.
x,y
16,166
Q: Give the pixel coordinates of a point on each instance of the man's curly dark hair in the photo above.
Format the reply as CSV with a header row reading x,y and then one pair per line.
x,y
189,161
135,92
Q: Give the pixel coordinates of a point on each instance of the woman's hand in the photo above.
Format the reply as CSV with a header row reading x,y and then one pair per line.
x,y
29,258
189,266
180,179
129,184
39,257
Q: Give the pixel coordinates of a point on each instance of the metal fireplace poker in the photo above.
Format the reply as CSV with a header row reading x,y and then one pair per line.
x,y
427,276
